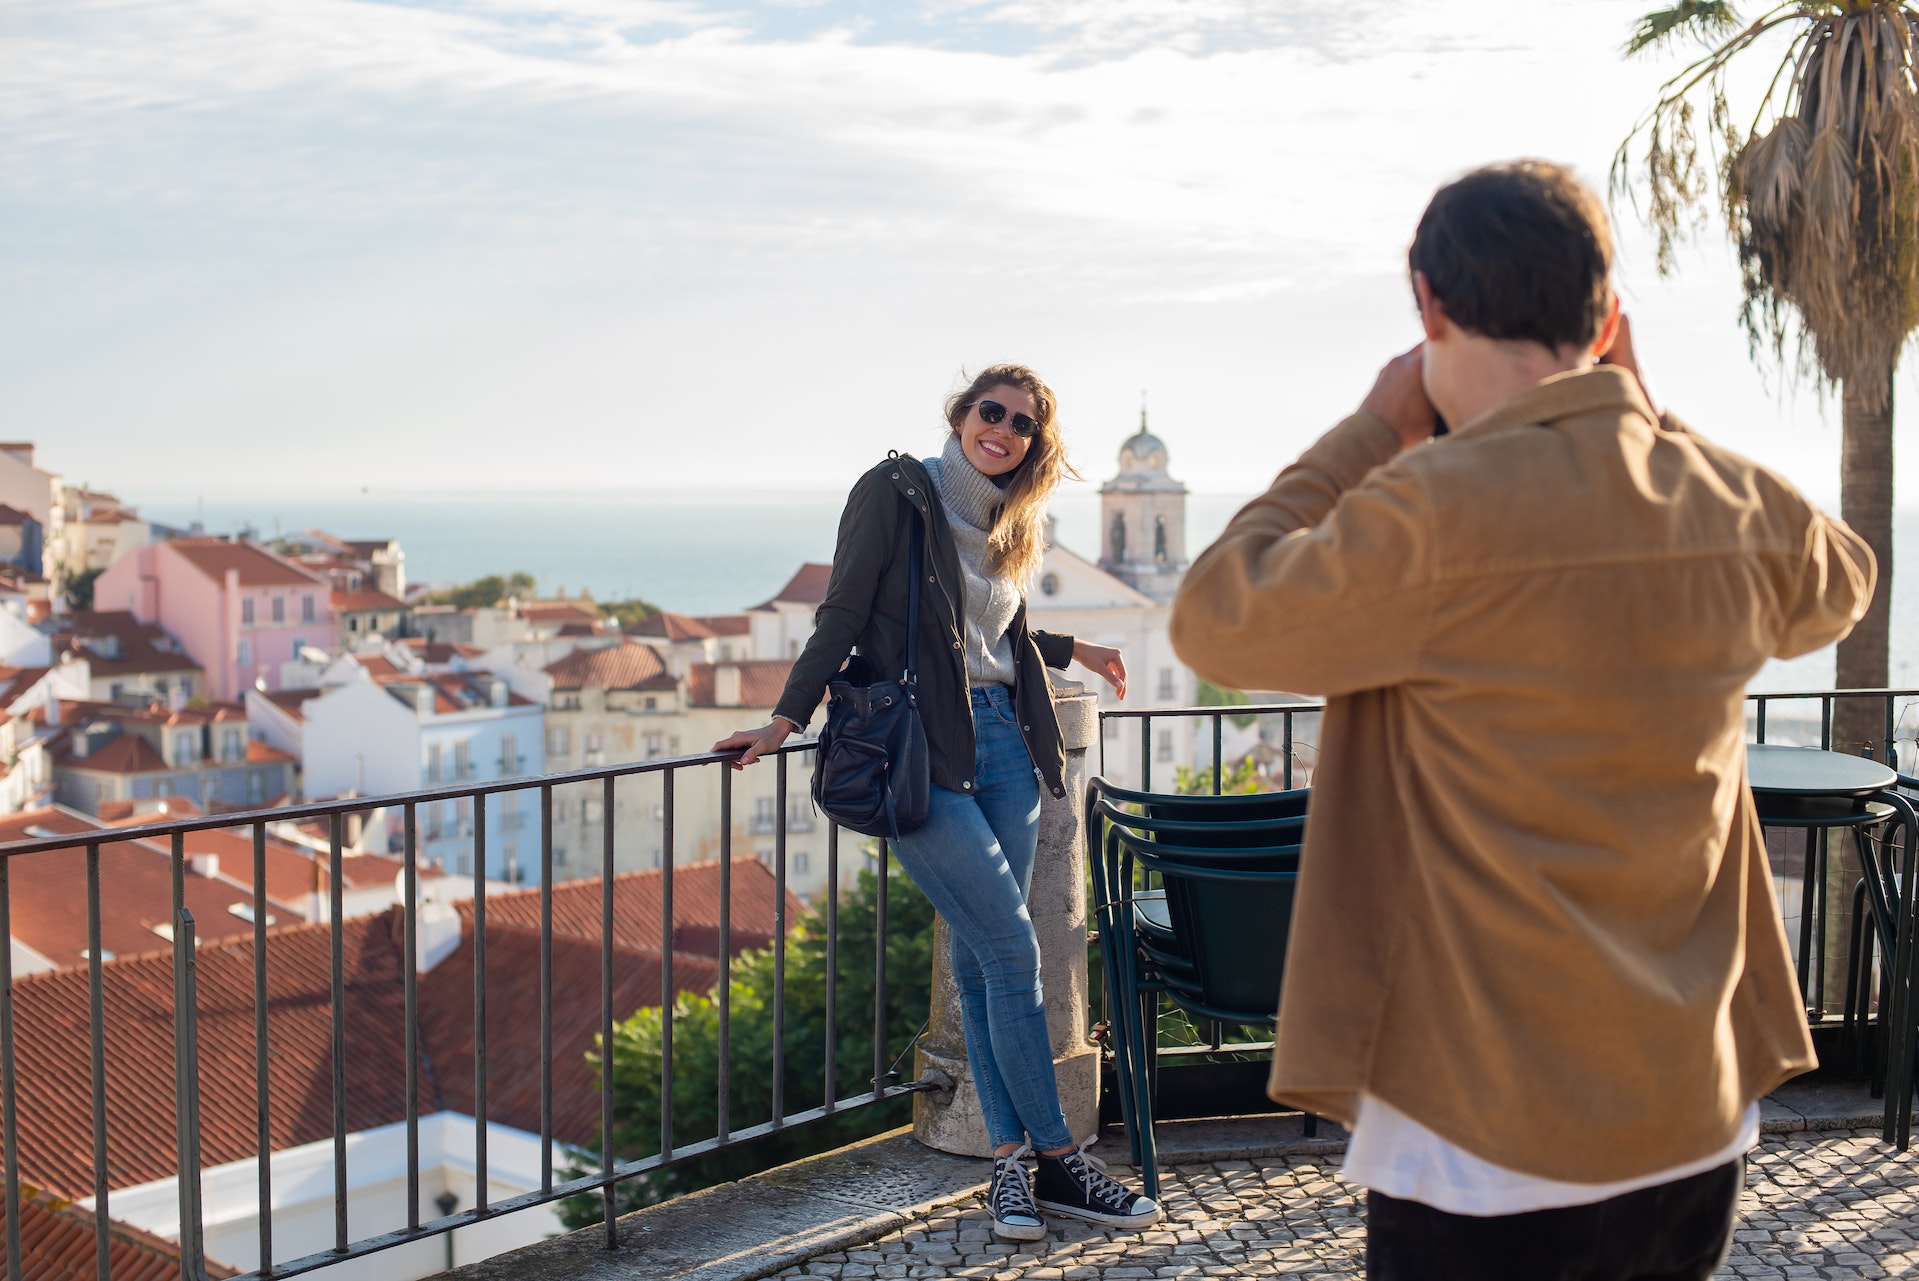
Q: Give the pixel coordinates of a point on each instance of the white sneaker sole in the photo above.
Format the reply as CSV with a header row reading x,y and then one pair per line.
x,y
1145,1218
1019,1231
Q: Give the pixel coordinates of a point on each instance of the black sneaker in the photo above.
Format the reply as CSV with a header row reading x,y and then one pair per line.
x,y
1078,1186
1010,1198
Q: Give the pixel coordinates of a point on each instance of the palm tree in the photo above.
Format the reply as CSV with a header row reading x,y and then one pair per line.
x,y
1820,192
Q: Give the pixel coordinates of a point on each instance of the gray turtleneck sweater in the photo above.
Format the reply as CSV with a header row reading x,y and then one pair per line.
x,y
970,498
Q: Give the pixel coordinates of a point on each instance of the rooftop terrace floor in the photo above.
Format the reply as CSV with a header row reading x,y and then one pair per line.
x,y
1832,1204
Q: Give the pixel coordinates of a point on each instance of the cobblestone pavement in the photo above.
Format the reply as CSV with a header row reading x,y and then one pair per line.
x,y
1817,1206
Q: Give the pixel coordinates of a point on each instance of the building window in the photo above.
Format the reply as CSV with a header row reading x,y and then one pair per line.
x,y
510,762
1166,682
1049,584
306,608
510,812
590,810
462,760
463,816
561,808
233,746
185,750
650,703
299,643
559,741
656,856
246,612
256,786
569,702
464,864
1165,750
244,654
559,856
353,622
655,744
799,863
432,762
279,610
765,813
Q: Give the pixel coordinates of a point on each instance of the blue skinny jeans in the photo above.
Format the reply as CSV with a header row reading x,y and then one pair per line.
x,y
974,861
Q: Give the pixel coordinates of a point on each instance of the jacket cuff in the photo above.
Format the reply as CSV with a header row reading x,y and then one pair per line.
x,y
798,716
1055,649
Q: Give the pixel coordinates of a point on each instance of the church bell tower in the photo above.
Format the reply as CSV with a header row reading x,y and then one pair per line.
x,y
1142,515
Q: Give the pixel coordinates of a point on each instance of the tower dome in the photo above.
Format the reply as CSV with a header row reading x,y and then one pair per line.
x,y
1143,518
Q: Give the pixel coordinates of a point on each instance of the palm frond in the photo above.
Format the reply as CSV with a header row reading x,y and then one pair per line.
x,y
1701,18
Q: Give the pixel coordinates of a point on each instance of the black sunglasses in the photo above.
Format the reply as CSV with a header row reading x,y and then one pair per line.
x,y
993,413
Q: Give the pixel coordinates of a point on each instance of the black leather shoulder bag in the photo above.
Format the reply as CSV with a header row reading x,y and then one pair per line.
x,y
872,774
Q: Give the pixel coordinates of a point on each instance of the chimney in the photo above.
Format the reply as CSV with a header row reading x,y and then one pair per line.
x,y
207,865
423,700
53,711
439,931
726,685
82,744
496,692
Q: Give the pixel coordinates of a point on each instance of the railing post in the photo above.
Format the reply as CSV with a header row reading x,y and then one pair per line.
x,y
186,1093
1058,898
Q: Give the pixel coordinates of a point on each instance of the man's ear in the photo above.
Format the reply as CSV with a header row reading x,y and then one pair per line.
x,y
1609,331
1432,313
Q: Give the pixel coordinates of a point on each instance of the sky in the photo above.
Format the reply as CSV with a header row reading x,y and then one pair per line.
x,y
327,246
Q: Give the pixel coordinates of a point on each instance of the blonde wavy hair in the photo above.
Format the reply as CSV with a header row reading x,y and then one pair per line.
x,y
1017,542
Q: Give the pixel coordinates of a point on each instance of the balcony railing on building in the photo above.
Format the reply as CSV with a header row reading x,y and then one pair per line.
x,y
421,929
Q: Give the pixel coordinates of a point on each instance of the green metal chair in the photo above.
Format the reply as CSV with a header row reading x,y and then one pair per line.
x,y
1194,898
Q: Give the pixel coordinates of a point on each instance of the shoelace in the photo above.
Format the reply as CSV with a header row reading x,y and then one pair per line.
x,y
1090,1171
1012,1191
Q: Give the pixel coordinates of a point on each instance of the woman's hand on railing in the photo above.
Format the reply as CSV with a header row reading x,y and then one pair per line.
x,y
1103,659
756,742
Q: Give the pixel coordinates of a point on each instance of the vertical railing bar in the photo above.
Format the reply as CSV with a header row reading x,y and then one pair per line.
x,y
723,994
879,974
1825,723
336,909
262,1095
1286,747
97,1044
9,1102
1892,757
666,963
481,1197
410,946
779,948
1763,701
1219,765
832,960
1145,753
546,984
607,1215
186,1067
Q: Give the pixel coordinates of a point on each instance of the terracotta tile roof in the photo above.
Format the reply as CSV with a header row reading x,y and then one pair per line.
x,y
364,602
513,1022
636,908
628,665
806,587
727,624
56,1244
291,701
121,754
259,753
559,611
438,652
56,1149
136,892
380,669
112,516
672,627
15,681
258,567
762,680
13,516
115,643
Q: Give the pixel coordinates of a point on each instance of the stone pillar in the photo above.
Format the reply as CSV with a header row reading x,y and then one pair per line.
x,y
1058,904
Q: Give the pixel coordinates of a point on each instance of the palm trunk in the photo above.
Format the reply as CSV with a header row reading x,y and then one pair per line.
x,y
1865,503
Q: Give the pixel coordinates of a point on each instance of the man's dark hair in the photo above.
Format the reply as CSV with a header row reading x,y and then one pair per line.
x,y
1519,250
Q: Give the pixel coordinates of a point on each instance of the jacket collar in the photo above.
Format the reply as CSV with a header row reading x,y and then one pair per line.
x,y
1567,395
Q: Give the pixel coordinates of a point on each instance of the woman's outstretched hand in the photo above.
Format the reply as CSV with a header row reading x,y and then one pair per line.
x,y
756,742
1103,659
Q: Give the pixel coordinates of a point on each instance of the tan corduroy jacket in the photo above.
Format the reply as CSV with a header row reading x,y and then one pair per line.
x,y
1534,909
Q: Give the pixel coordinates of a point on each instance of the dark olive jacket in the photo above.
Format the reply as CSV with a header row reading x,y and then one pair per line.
x,y
866,605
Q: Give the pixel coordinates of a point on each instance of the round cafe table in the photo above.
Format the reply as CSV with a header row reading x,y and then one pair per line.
x,y
1813,790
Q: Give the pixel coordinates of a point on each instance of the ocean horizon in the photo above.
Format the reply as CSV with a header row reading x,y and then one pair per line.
x,y
713,553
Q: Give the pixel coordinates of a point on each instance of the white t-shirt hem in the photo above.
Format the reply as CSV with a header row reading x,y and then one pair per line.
x,y
1391,1153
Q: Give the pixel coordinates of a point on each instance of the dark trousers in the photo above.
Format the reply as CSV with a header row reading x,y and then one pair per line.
x,y
1677,1231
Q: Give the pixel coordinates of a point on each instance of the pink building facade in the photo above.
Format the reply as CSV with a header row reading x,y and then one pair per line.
x,y
237,609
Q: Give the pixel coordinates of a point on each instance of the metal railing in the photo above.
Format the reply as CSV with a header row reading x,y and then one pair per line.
x,y
673,1150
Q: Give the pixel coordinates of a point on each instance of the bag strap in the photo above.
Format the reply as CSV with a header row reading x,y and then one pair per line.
x,y
916,569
